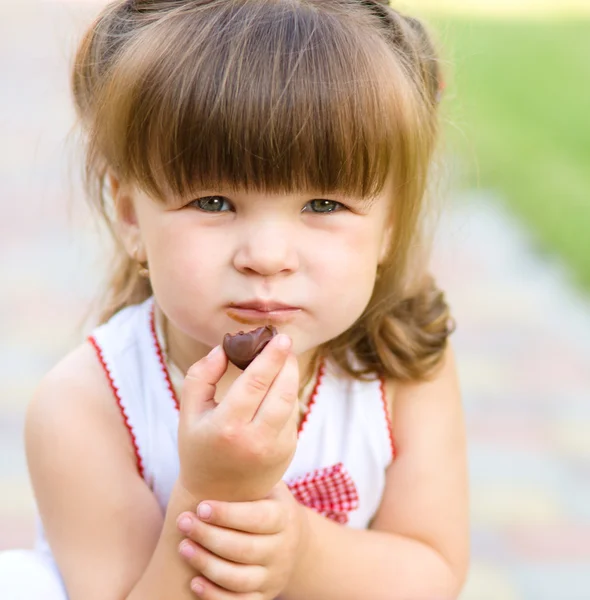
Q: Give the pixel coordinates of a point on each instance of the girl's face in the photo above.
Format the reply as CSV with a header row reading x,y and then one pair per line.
x,y
222,261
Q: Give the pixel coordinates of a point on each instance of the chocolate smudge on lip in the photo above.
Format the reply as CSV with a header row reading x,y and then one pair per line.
x,y
242,348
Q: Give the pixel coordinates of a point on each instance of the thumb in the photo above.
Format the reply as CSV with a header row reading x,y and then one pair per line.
x,y
198,390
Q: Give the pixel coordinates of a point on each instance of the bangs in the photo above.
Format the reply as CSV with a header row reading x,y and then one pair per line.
x,y
275,97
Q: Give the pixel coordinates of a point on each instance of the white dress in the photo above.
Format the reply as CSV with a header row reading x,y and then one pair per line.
x,y
345,441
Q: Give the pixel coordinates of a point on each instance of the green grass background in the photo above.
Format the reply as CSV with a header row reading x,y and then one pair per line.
x,y
518,104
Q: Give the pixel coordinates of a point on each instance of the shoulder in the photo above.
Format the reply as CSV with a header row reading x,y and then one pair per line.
x,y
75,399
78,374
79,392
441,388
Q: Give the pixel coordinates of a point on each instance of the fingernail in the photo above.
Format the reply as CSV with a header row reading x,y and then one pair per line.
x,y
197,587
185,524
215,352
186,550
204,511
283,341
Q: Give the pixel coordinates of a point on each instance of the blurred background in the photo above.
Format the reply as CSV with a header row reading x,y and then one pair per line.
x,y
512,252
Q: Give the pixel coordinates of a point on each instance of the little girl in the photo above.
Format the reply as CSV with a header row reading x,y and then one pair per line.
x,y
259,162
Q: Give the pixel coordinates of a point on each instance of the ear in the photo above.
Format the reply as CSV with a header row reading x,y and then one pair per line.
x,y
125,218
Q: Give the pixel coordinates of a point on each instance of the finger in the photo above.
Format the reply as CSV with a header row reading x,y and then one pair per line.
x,y
262,517
232,545
198,390
230,576
206,590
277,408
249,389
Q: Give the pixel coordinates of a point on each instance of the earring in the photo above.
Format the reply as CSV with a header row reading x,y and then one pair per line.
x,y
142,268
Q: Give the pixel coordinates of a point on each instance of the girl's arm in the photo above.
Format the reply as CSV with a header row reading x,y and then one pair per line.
x,y
418,546
107,532
103,523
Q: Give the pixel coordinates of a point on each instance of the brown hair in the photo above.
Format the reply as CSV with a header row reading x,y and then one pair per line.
x,y
275,96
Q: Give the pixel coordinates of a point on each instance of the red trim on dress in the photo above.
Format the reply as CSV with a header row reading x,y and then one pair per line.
x,y
387,418
313,397
124,414
161,359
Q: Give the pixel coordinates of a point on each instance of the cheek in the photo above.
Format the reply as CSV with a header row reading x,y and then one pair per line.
x,y
351,252
346,268
187,279
185,263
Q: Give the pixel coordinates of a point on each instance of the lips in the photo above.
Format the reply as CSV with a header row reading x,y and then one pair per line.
x,y
265,306
262,312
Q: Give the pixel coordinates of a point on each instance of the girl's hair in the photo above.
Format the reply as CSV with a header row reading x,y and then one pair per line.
x,y
275,96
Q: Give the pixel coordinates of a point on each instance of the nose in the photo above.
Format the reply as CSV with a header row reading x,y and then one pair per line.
x,y
267,248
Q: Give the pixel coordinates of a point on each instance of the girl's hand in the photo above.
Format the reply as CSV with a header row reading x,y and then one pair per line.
x,y
243,550
239,449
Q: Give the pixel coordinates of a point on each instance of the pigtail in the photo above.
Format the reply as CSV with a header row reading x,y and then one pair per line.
x,y
408,342
414,45
93,61
402,339
96,54
425,57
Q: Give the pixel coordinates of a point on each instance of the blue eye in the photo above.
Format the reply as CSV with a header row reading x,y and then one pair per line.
x,y
212,204
323,206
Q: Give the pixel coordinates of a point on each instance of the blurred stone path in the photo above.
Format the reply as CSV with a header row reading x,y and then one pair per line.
x,y
523,338
523,347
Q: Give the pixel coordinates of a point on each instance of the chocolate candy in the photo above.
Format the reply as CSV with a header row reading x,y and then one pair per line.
x,y
242,348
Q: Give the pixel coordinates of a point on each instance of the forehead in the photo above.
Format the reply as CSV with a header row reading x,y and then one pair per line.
x,y
312,118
